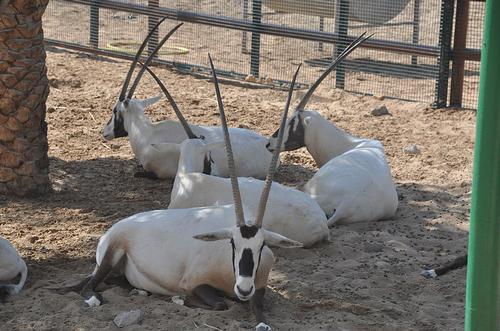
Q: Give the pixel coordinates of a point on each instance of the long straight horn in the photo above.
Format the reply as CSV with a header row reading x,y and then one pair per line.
x,y
238,207
352,46
272,167
149,59
136,58
177,111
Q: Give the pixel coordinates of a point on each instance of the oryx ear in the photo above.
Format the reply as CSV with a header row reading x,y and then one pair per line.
x,y
307,120
151,101
214,236
277,240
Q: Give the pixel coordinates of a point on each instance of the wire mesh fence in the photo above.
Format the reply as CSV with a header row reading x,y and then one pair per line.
x,y
474,41
264,40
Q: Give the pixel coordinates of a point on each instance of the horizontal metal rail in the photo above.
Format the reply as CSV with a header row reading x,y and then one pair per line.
x,y
263,28
200,71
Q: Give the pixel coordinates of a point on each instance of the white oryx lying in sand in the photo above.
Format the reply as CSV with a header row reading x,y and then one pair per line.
x,y
354,182
195,251
289,212
128,119
11,266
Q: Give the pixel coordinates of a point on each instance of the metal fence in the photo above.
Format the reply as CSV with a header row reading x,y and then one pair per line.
x,y
263,40
468,33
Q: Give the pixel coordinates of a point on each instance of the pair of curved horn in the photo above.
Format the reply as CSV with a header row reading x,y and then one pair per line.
x,y
136,59
238,207
149,59
123,91
352,46
144,66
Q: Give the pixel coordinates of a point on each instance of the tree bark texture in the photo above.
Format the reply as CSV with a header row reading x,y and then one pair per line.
x,y
24,165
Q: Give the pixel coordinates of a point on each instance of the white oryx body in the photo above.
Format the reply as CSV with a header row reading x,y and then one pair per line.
x,y
354,182
11,266
128,119
250,153
289,212
196,251
181,263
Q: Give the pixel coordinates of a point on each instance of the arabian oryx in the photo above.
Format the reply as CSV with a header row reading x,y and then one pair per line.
x,y
128,119
289,212
195,251
354,182
11,266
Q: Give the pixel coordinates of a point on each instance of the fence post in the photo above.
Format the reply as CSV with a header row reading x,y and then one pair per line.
x,y
244,48
482,298
445,30
321,28
341,29
152,21
255,52
94,24
416,28
459,44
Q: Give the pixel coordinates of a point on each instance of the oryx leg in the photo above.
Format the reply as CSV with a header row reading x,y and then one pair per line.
x,y
208,295
455,264
257,304
334,218
8,289
110,260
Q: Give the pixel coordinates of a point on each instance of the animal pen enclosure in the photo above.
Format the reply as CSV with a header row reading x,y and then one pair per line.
x,y
409,56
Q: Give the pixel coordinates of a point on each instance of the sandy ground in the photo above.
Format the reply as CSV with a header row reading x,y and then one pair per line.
x,y
367,278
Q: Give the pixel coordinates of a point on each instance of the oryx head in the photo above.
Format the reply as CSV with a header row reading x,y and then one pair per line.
x,y
125,104
297,125
248,238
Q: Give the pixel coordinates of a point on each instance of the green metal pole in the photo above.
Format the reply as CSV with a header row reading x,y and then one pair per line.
x,y
482,310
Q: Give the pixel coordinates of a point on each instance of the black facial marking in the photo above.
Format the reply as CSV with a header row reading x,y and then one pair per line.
x,y
118,125
295,138
246,263
248,231
234,248
207,165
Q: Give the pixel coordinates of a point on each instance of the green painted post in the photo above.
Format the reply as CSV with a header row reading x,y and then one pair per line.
x,y
482,310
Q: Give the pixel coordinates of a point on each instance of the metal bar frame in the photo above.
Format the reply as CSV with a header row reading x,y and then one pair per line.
x,y
264,28
152,21
255,48
94,24
482,308
445,32
415,28
459,44
244,48
341,29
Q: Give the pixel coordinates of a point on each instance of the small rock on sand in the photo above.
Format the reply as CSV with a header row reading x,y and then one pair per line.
x,y
127,318
379,111
411,149
178,300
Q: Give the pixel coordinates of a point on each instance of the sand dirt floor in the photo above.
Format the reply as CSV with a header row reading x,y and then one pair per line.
x,y
366,278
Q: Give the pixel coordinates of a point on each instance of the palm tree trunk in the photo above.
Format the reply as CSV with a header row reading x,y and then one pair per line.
x,y
24,165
